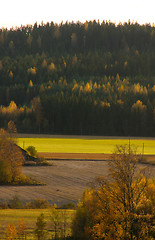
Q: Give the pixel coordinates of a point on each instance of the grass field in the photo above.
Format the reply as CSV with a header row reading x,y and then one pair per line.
x,y
85,144
8,216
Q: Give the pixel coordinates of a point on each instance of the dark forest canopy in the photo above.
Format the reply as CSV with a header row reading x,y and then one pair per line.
x,y
79,78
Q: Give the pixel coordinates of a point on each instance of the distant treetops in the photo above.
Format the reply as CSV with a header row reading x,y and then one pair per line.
x,y
79,78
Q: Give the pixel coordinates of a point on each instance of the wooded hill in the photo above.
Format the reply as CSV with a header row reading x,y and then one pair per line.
x,y
79,78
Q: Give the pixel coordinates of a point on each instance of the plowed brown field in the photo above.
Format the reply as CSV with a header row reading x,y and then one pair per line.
x,y
65,180
76,156
85,156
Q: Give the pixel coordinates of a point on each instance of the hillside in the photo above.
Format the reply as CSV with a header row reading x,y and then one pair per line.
x,y
79,78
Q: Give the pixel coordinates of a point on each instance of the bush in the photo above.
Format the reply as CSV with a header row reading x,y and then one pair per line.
x,y
25,180
38,203
4,205
67,206
16,203
31,150
42,162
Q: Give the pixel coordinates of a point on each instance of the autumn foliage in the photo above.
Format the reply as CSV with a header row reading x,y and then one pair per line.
x,y
87,78
11,158
119,208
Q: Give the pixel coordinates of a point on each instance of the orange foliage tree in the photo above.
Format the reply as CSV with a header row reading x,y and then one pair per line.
x,y
11,158
22,229
119,208
11,232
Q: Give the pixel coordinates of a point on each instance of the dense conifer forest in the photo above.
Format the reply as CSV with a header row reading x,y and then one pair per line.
x,y
79,78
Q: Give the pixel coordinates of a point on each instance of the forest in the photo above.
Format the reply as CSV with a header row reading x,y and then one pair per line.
x,y
87,78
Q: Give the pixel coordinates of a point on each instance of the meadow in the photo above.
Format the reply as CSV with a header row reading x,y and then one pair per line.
x,y
14,216
71,144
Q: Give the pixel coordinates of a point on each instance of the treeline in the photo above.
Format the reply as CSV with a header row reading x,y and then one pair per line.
x,y
75,78
70,38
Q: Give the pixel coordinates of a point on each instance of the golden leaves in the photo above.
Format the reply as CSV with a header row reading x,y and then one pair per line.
x,y
138,106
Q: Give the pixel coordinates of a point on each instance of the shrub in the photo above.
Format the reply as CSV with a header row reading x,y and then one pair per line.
x,y
42,162
31,150
3,205
16,203
38,203
67,206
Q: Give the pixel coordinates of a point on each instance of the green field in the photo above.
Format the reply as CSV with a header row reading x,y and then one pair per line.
x,y
85,145
8,216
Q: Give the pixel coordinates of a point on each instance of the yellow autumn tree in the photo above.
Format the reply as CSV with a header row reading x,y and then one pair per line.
x,y
86,25
22,229
120,207
11,232
12,111
88,87
51,67
11,74
30,83
11,158
32,70
12,107
44,63
11,127
138,106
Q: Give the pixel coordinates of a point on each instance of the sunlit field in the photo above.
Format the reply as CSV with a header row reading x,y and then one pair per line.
x,y
86,144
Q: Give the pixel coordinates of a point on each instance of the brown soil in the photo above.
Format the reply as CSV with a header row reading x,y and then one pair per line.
x,y
76,156
65,180
85,156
